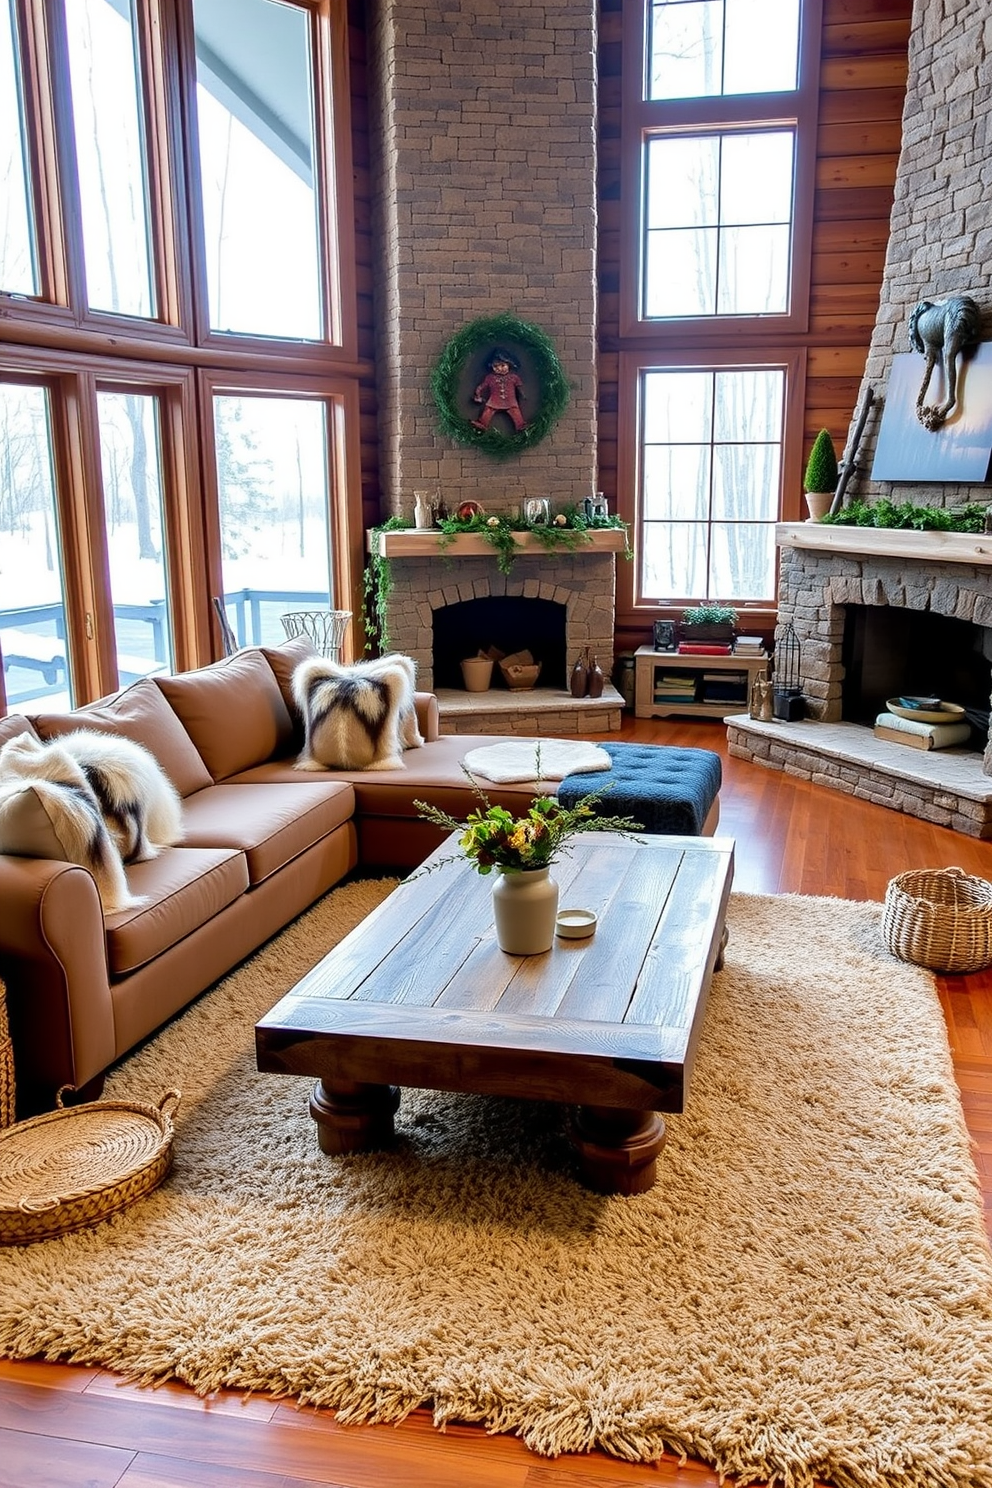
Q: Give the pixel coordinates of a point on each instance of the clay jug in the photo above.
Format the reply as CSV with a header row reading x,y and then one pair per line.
x,y
596,680
525,906
579,679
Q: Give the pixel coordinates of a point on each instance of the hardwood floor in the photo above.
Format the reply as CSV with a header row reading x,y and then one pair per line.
x,y
70,1427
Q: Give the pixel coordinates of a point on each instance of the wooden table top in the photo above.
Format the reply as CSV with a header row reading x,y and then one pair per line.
x,y
420,993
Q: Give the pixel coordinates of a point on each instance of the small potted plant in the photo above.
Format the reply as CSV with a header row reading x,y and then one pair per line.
x,y
820,479
709,623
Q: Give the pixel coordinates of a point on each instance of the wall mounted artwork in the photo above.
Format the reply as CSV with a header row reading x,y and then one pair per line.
x,y
961,448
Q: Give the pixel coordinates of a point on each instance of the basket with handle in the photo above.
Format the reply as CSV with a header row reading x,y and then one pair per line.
x,y
76,1165
940,918
325,628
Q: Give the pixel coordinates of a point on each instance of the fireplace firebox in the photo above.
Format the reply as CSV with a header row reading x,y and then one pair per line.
x,y
507,623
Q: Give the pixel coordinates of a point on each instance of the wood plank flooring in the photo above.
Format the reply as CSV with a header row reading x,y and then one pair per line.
x,y
70,1427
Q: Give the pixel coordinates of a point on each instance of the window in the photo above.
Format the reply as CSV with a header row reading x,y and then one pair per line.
x,y
710,457
175,187
719,123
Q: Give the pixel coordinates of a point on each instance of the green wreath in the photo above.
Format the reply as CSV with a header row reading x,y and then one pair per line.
x,y
461,368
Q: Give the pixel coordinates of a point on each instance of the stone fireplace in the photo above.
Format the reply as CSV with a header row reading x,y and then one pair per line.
x,y
578,587
826,573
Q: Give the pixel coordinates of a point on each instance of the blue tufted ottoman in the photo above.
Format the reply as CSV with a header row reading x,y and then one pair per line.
x,y
670,791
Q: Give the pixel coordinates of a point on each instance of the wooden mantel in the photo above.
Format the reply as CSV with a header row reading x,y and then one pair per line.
x,y
411,543
887,542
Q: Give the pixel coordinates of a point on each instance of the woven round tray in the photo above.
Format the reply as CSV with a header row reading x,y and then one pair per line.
x,y
940,918
72,1167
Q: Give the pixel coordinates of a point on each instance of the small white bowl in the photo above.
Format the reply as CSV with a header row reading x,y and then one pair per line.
x,y
575,924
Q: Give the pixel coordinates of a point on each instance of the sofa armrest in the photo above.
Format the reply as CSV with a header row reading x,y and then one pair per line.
x,y
428,716
53,959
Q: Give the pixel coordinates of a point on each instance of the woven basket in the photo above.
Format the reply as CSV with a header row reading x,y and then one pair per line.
x,y
7,1089
75,1166
940,918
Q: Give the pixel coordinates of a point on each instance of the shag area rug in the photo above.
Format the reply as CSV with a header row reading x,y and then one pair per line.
x,y
806,1293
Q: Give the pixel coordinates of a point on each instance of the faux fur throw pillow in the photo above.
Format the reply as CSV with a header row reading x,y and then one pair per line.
x,y
357,717
106,800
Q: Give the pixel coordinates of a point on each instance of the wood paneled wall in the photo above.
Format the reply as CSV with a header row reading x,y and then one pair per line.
x,y
862,86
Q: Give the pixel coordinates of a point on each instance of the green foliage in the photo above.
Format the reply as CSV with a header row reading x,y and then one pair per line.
x,y
492,837
821,467
903,515
711,614
377,582
569,530
481,335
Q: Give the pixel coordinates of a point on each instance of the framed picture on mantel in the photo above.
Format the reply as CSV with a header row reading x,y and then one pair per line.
x,y
961,449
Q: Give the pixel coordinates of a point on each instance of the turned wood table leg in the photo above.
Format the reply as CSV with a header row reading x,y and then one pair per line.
x,y
617,1148
718,963
353,1117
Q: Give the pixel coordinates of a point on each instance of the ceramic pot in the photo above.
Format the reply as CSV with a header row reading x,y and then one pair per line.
x,y
818,504
477,673
525,905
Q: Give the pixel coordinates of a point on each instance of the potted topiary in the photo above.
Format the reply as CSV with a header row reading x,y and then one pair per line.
x,y
820,479
708,623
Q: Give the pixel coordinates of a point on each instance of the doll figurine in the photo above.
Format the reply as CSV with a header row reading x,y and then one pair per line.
x,y
499,391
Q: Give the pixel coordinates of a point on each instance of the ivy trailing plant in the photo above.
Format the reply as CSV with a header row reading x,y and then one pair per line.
x,y
467,347
377,584
903,515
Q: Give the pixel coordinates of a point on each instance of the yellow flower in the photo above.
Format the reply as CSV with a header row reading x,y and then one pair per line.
x,y
492,522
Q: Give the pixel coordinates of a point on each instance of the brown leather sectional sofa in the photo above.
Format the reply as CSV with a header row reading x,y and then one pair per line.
x,y
262,842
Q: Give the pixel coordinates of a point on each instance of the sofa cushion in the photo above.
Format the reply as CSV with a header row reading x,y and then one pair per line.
x,y
183,888
268,823
140,713
433,773
284,660
233,711
15,724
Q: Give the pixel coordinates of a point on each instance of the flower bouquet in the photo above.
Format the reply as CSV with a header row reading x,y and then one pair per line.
x,y
492,837
522,848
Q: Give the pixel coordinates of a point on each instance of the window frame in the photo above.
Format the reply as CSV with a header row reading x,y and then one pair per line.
x,y
59,312
54,340
792,360
643,119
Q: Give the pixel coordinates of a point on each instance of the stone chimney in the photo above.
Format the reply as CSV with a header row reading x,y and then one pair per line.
x,y
484,140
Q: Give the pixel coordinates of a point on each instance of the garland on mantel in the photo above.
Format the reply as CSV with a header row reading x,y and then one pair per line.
x,y
569,530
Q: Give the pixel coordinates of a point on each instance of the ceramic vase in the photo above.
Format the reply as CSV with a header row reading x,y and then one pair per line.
x,y
525,905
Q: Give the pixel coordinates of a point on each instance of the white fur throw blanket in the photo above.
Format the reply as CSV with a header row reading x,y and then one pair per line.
x,y
517,759
88,798
358,717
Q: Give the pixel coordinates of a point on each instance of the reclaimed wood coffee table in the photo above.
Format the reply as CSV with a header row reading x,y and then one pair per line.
x,y
420,994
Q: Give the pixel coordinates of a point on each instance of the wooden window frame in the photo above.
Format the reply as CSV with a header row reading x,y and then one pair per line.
x,y
632,609
53,339
642,119
58,315
344,480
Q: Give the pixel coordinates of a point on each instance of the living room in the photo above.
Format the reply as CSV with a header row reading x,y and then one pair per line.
x,y
482,166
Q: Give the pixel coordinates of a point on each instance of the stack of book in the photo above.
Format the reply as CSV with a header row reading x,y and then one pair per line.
x,y
706,648
749,645
920,735
674,687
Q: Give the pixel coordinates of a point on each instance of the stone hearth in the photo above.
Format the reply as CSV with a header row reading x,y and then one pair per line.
x,y
825,569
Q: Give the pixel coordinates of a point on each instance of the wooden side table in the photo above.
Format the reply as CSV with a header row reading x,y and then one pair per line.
x,y
648,663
